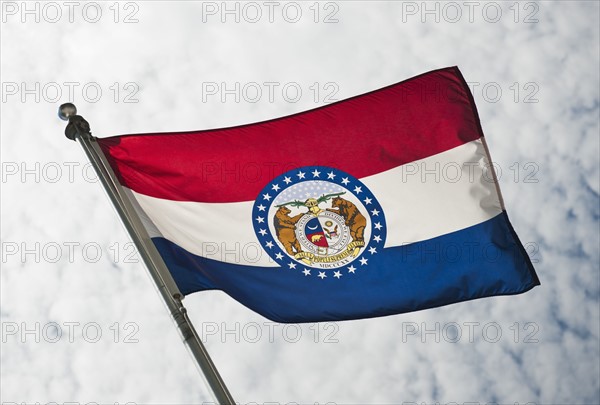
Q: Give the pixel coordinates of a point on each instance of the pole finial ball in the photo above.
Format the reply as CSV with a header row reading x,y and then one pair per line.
x,y
66,110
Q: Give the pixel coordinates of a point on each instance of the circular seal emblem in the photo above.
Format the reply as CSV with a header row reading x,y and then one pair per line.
x,y
320,221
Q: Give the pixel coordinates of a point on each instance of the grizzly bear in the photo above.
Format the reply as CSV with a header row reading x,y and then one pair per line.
x,y
354,219
285,227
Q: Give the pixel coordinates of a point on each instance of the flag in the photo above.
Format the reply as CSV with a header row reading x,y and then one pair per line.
x,y
379,204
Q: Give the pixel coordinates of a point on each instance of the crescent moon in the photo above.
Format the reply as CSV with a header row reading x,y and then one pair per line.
x,y
312,229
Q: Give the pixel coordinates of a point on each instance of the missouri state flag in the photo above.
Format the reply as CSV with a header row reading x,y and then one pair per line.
x,y
379,204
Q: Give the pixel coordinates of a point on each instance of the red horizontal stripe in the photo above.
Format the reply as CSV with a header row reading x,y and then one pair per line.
x,y
363,135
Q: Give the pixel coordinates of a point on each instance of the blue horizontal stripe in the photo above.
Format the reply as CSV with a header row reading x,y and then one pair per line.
x,y
480,261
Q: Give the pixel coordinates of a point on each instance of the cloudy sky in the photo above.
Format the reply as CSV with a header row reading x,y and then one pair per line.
x,y
81,321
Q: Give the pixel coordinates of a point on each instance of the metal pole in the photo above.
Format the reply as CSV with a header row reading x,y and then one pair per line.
x,y
78,129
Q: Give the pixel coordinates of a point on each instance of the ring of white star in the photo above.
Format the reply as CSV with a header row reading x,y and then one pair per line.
x,y
302,175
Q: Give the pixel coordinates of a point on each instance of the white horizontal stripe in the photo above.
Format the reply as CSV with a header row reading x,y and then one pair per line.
x,y
152,230
436,195
221,231
421,200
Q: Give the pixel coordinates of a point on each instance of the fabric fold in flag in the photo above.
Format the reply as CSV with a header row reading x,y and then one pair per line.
x,y
380,204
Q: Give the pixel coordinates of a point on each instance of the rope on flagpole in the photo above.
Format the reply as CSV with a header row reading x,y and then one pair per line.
x,y
78,129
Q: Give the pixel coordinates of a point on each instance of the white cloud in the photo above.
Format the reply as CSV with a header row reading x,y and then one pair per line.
x,y
168,54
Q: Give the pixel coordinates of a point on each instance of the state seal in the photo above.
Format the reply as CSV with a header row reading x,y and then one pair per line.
x,y
321,220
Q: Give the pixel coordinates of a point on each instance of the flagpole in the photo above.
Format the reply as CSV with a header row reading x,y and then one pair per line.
x,y
78,130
